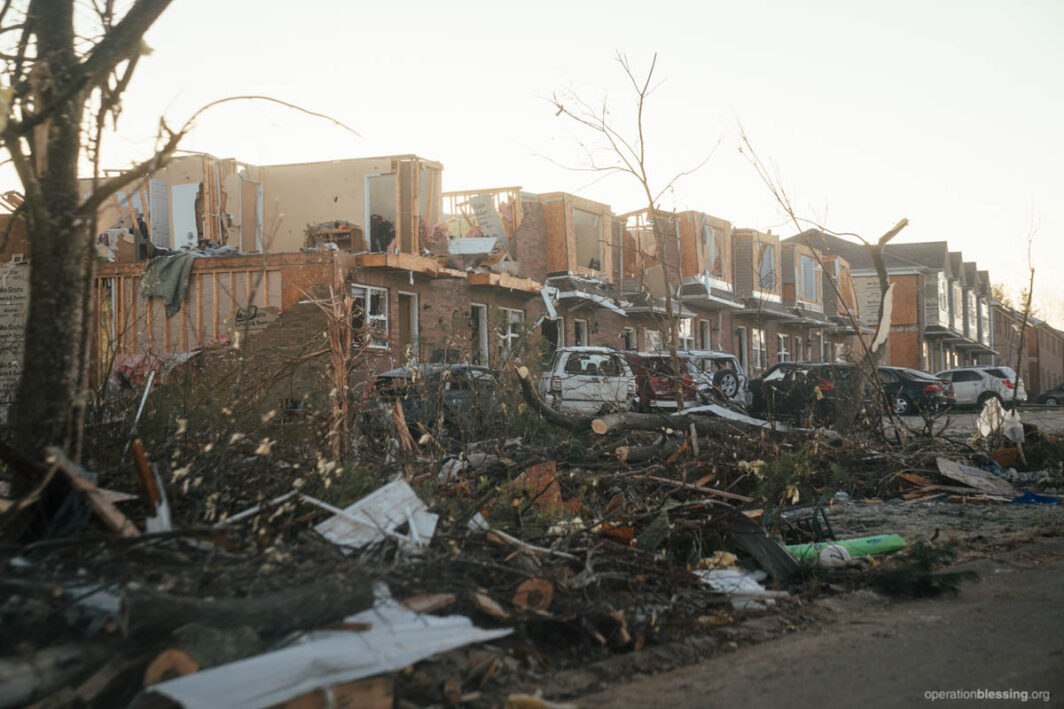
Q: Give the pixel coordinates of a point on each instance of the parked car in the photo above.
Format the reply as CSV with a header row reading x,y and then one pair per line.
x,y
458,395
719,372
973,386
656,380
802,391
1007,377
910,391
588,380
1053,397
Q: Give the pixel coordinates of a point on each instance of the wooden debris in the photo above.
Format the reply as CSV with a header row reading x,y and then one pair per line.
x,y
488,606
430,602
974,477
104,509
169,664
534,595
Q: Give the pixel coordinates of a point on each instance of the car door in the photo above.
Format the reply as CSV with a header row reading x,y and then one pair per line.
x,y
967,386
592,380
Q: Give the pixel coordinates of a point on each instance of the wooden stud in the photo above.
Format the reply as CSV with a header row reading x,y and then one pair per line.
x,y
214,305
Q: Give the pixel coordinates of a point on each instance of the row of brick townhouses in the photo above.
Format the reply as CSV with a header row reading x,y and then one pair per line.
x,y
466,274
459,274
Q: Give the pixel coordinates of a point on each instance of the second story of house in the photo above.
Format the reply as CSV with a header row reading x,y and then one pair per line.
x,y
579,236
757,266
389,204
802,276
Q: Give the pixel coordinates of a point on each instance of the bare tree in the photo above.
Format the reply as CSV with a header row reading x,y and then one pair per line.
x,y
627,154
65,81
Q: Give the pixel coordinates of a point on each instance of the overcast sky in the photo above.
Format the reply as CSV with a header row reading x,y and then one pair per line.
x,y
948,113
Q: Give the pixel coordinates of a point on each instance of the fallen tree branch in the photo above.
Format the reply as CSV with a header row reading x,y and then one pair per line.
x,y
576,424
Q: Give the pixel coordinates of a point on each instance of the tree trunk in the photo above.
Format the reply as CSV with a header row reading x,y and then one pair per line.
x,y
59,240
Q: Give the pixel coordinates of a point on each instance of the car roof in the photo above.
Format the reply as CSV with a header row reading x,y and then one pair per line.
x,y
430,369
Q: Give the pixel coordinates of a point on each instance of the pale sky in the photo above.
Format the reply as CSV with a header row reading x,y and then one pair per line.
x,y
948,113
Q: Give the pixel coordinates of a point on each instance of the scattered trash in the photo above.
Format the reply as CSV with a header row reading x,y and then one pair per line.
x,y
863,546
742,588
378,516
1031,498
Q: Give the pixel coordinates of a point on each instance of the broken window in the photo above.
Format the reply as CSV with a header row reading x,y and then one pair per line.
x,y
628,338
713,250
587,227
580,333
509,328
766,267
653,340
593,365
369,314
809,279
478,322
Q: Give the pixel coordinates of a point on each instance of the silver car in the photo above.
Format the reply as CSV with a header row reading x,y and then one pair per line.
x,y
588,380
720,372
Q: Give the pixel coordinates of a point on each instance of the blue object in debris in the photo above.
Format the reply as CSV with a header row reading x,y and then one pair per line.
x,y
990,465
1031,498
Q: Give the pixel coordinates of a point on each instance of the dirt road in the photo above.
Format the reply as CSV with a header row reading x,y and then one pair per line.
x,y
1002,634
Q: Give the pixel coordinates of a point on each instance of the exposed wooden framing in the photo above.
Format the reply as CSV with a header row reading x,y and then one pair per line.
x,y
415,212
504,280
401,262
398,205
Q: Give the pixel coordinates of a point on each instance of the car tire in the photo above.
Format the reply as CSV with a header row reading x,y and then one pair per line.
x,y
903,406
727,381
987,396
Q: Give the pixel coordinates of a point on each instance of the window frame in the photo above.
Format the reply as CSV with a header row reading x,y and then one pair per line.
x,y
507,332
368,317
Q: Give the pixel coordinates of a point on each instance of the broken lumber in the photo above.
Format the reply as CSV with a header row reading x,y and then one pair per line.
x,y
145,611
699,488
104,509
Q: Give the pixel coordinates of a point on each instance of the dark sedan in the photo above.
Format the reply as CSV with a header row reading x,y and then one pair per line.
x,y
1053,397
910,391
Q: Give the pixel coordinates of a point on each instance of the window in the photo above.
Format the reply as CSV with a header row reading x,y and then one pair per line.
x,y
653,340
740,347
509,328
593,365
943,293
808,274
766,267
628,338
759,351
370,313
687,333
706,333
580,333
713,250
796,349
783,353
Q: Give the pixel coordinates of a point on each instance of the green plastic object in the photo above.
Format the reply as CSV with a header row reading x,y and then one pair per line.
x,y
863,546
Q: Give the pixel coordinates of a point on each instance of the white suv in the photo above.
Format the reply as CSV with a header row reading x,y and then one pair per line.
x,y
974,385
588,380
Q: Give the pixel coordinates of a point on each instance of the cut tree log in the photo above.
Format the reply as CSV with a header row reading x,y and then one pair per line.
x,y
640,454
328,600
198,647
576,424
